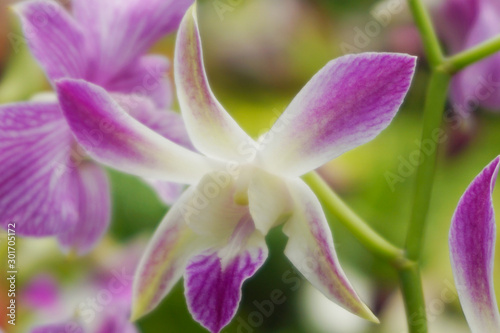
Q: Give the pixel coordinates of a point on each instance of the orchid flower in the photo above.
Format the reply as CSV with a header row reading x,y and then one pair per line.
x,y
465,24
214,234
472,247
48,186
100,303
74,313
42,294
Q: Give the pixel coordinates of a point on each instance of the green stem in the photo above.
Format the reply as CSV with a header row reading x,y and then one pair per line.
x,y
359,228
411,287
466,58
411,284
408,262
431,135
410,280
427,32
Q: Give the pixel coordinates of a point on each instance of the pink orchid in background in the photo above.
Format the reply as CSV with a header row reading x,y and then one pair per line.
x,y
48,186
465,24
100,304
214,235
42,295
472,247
86,312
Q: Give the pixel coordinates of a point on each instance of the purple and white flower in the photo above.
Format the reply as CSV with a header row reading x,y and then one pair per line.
x,y
465,24
214,235
472,247
99,304
48,185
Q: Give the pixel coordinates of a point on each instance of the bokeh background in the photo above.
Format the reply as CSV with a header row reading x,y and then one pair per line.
x,y
258,54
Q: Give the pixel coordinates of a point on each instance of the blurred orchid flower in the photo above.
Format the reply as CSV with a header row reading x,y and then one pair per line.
x,y
100,303
75,313
472,245
48,186
214,235
466,23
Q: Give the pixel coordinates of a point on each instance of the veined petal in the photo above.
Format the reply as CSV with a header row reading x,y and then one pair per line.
x,y
268,200
55,39
94,207
35,192
168,124
146,77
111,136
121,31
214,277
165,259
210,127
472,245
310,248
346,104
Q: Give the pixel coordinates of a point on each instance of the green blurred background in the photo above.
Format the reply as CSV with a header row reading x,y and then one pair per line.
x,y
258,55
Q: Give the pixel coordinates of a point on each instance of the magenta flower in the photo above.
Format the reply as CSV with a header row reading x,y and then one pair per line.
x,y
214,235
48,186
99,303
85,312
465,24
472,245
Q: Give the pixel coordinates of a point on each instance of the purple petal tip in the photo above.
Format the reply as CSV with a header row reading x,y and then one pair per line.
x,y
472,244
